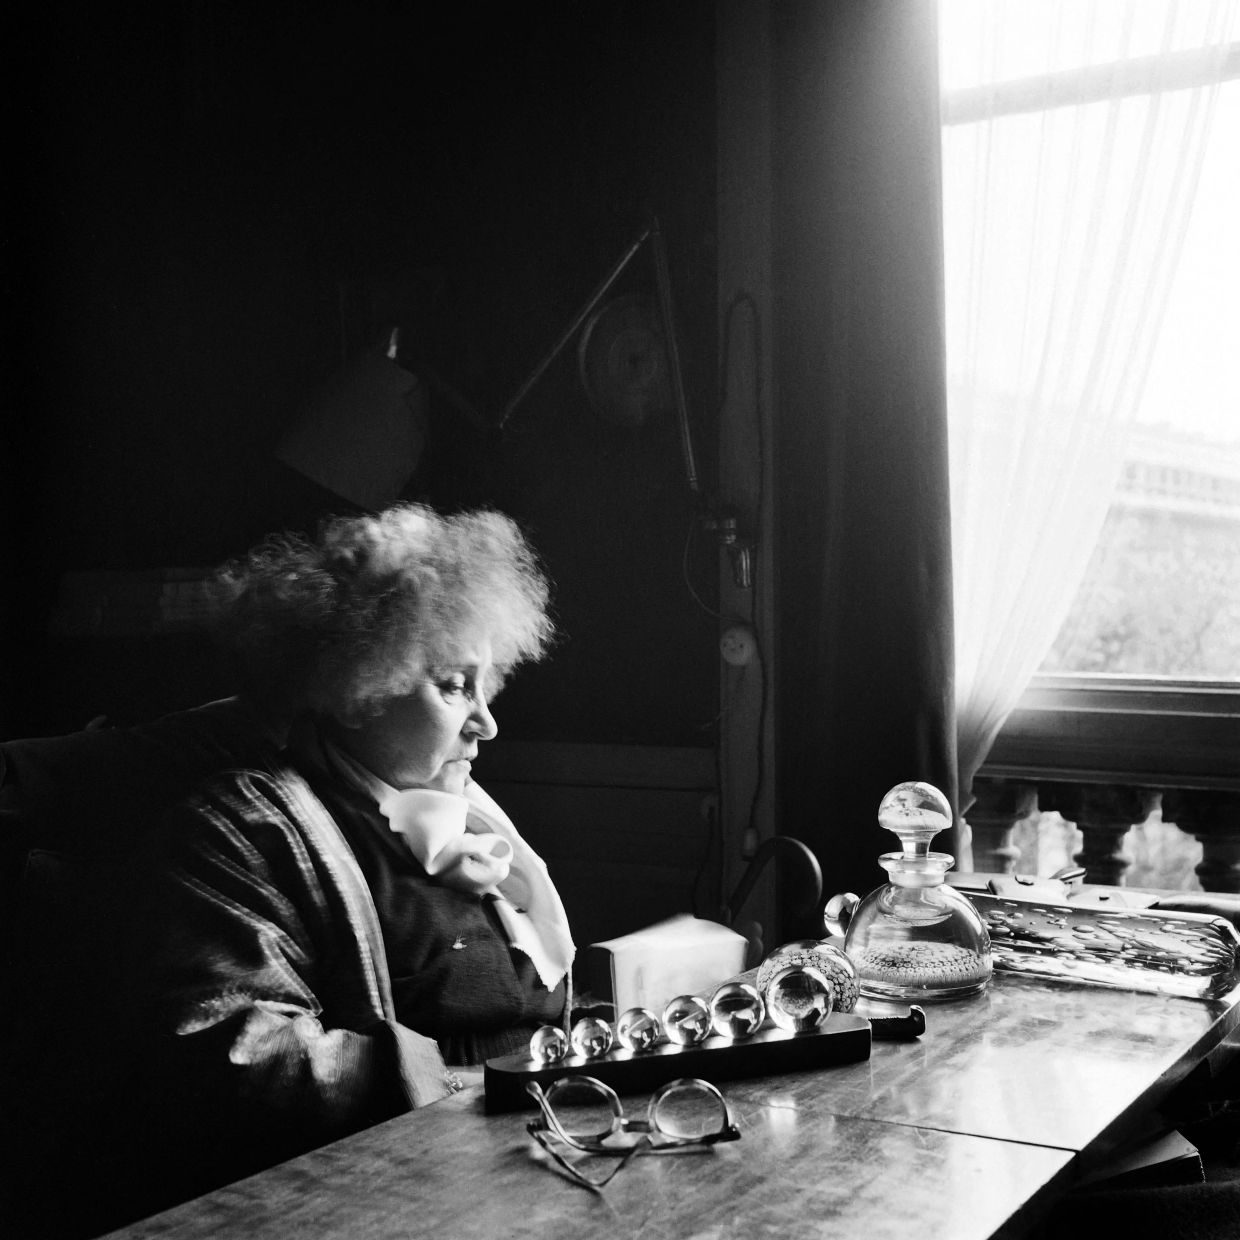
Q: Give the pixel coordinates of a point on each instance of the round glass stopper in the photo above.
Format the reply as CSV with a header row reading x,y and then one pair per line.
x,y
798,998
736,1010
828,959
638,1029
591,1037
916,812
548,1045
686,1020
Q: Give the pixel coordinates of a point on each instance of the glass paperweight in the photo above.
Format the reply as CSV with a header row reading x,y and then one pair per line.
x,y
591,1037
638,1029
548,1045
798,998
915,937
828,959
1194,955
686,1020
736,1010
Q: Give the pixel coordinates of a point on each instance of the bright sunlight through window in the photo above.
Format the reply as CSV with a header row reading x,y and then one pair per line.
x,y
1092,240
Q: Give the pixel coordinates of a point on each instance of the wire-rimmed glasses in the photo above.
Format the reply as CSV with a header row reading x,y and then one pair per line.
x,y
586,1115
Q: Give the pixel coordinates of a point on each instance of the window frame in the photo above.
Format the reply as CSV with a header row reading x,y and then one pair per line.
x,y
1155,732
1096,83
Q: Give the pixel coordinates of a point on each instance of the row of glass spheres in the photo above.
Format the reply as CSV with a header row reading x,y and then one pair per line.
x,y
914,937
798,986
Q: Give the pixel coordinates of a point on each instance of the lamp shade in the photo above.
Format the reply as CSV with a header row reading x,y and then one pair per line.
x,y
362,434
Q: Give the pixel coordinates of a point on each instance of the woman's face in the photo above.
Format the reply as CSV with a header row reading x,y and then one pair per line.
x,y
428,738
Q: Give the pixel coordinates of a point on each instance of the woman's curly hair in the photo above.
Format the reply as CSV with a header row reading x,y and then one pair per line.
x,y
344,623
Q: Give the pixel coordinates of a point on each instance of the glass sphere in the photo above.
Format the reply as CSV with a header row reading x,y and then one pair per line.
x,y
736,1010
915,809
591,1037
828,959
548,1045
638,1029
686,1020
798,998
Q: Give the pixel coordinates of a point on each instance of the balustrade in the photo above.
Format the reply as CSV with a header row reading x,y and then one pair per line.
x,y
1105,813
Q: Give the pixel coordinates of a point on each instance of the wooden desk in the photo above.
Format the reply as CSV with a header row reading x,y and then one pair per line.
x,y
971,1132
1034,1061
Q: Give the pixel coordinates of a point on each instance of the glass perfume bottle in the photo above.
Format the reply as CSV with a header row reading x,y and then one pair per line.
x,y
915,937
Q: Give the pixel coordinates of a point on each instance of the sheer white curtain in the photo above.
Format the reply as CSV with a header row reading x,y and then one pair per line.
x,y
1072,145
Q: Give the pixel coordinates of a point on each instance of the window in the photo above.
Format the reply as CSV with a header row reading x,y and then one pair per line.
x,y
1161,593
1093,302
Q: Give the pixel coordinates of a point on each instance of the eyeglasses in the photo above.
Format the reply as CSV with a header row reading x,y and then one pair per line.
x,y
586,1115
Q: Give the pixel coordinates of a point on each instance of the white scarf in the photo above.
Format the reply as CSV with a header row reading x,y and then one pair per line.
x,y
469,843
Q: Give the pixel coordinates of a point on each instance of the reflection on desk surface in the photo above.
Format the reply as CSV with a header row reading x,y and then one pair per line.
x,y
970,1131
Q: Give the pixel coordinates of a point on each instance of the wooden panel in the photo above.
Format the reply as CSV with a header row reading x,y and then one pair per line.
x,y
615,820
627,766
621,857
622,828
603,901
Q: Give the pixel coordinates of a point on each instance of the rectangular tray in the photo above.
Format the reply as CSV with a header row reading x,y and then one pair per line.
x,y
843,1038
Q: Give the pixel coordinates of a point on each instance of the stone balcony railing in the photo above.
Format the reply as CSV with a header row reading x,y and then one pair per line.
x,y
1105,752
1105,813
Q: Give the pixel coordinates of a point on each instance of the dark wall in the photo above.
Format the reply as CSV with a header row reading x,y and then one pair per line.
x,y
218,200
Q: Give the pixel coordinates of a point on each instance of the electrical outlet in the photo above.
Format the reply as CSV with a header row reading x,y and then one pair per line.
x,y
738,645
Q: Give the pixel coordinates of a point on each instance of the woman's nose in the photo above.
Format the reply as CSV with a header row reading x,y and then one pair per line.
x,y
481,722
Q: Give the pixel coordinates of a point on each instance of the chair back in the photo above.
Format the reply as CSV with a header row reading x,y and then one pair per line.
x,y
73,810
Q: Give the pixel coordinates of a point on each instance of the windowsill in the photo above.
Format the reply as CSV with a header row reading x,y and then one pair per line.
x,y
1154,732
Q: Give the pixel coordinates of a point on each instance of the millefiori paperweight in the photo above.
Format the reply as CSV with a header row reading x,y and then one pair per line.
x,y
828,959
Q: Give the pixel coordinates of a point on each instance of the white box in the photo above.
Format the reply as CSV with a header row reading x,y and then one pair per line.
x,y
682,955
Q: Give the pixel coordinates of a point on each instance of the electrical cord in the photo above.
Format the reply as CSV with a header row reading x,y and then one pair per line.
x,y
743,299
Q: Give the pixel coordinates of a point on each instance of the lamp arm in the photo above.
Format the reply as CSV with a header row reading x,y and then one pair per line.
x,y
571,330
673,357
663,279
722,523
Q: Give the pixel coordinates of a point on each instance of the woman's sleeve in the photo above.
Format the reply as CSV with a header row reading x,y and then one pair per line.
x,y
261,1031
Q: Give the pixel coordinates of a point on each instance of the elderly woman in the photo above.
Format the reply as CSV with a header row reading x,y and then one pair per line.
x,y
333,932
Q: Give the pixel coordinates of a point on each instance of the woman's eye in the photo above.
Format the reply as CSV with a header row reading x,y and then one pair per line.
x,y
454,685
